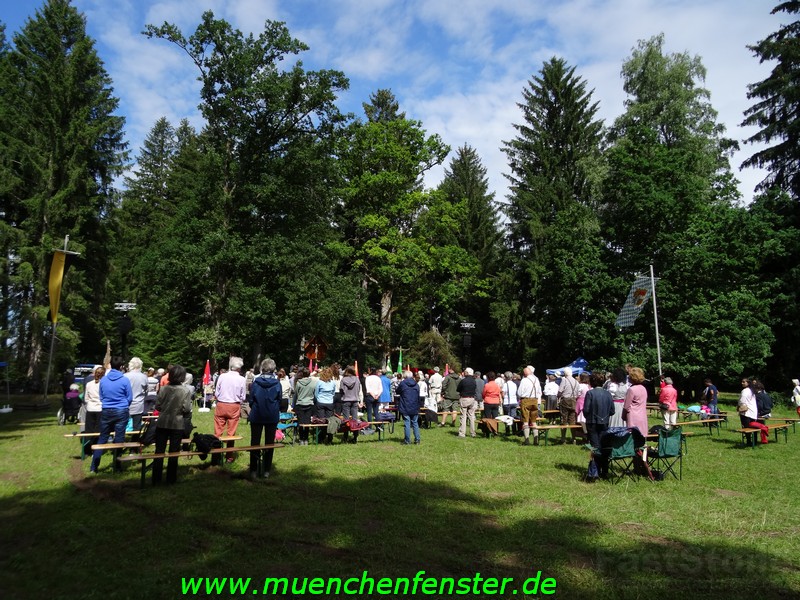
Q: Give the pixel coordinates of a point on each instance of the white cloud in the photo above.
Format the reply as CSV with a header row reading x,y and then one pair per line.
x,y
459,66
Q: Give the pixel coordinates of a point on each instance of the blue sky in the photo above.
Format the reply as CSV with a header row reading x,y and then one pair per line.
x,y
458,66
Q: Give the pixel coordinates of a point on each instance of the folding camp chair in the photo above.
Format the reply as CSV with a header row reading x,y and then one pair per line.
x,y
668,453
621,452
288,426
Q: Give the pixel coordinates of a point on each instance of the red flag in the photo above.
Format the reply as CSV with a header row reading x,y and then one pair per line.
x,y
357,375
207,374
446,369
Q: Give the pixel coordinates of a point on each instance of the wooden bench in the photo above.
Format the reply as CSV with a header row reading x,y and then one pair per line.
x,y
378,426
751,431
84,436
712,423
785,421
444,414
143,458
546,429
116,447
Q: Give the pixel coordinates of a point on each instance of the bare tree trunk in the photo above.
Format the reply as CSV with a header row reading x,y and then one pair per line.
x,y
386,318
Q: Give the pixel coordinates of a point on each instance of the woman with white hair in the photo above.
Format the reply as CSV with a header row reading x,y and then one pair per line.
x,y
408,405
796,395
139,386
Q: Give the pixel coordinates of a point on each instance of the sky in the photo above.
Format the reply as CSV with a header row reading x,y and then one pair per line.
x,y
457,66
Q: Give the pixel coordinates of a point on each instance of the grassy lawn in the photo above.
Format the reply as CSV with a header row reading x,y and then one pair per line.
x,y
450,507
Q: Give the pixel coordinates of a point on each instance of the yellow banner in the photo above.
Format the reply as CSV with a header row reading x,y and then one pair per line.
x,y
56,278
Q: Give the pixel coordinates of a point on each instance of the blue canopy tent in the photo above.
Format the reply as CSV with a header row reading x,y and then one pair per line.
x,y
578,366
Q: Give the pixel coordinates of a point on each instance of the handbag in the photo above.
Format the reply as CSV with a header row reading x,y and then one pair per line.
x,y
663,406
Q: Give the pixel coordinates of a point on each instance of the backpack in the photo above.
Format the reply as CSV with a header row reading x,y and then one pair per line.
x,y
764,403
204,443
148,436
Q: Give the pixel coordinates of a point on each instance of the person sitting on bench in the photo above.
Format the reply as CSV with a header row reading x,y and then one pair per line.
x,y
748,411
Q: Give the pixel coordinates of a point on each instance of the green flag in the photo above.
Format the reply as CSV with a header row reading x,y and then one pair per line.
x,y
400,363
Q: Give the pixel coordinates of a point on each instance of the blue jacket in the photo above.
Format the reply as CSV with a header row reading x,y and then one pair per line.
x,y
324,392
265,400
115,391
386,396
409,396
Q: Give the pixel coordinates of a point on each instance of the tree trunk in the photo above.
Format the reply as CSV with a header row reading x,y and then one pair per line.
x,y
386,318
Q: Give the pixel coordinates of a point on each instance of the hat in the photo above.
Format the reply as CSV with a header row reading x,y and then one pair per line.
x,y
796,382
469,371
533,369
435,369
160,372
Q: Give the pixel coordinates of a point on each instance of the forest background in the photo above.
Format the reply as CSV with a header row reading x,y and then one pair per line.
x,y
283,218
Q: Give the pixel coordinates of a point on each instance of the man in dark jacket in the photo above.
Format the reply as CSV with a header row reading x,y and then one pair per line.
x,y
467,394
265,412
408,404
598,408
450,397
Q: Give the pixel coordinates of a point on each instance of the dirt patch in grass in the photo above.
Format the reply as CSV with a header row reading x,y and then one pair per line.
x,y
548,505
19,479
500,495
730,493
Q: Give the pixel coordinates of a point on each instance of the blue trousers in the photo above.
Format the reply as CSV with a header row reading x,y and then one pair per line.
x,y
410,421
111,419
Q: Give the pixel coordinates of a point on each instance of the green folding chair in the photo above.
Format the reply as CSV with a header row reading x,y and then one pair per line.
x,y
669,453
621,452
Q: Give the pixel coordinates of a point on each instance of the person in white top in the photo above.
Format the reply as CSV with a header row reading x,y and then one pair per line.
x,y
551,393
796,395
374,387
508,390
423,387
435,386
748,411
93,405
529,393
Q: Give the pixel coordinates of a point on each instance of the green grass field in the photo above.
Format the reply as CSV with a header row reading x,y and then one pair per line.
x,y
450,507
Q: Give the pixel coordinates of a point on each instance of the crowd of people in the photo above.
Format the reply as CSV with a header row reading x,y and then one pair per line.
x,y
116,398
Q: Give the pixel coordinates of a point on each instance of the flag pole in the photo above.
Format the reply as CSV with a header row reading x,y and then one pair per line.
x,y
55,323
655,317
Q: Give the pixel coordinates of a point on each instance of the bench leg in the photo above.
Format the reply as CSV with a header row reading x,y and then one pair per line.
x,y
144,470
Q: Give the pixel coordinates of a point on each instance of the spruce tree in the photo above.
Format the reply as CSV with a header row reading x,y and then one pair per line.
x,y
554,162
66,148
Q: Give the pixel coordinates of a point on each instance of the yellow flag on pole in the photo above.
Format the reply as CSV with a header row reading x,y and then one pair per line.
x,y
56,279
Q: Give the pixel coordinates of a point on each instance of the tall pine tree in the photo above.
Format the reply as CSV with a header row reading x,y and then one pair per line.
x,y
775,112
66,148
554,163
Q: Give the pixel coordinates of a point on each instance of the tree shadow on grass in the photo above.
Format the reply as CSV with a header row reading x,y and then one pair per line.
x,y
105,537
732,443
